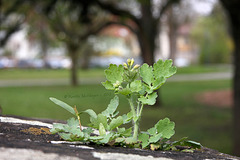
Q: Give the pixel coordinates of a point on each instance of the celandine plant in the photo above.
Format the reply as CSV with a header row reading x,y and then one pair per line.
x,y
139,85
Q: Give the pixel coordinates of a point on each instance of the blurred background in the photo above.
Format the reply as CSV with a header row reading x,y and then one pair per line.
x,y
60,48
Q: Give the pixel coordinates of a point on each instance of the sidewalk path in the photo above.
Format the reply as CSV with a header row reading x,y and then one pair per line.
x,y
64,81
201,76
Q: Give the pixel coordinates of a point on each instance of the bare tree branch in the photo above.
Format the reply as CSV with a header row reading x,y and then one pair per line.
x,y
97,30
94,31
124,24
166,6
10,31
117,11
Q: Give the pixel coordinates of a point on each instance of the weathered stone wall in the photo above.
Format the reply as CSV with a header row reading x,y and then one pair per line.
x,y
22,138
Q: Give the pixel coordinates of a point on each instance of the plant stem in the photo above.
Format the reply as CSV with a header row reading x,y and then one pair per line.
x,y
135,131
136,124
138,109
132,107
79,121
135,119
140,112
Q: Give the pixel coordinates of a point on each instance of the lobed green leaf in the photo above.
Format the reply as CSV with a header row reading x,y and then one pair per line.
x,y
130,140
146,72
152,131
65,136
76,131
114,73
164,69
72,122
88,130
127,118
116,122
57,127
101,119
166,128
106,138
150,99
155,138
143,137
108,85
102,130
158,82
111,107
125,91
127,132
136,86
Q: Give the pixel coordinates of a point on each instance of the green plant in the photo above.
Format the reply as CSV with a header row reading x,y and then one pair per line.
x,y
105,123
138,84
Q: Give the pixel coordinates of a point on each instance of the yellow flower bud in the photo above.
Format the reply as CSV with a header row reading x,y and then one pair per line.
x,y
132,61
136,66
129,62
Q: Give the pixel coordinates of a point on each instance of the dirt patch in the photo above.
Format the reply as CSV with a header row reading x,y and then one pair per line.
x,y
222,98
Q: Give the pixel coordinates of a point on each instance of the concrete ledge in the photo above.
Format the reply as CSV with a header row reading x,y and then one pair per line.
x,y
24,138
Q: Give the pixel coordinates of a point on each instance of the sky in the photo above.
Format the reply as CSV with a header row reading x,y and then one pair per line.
x,y
203,6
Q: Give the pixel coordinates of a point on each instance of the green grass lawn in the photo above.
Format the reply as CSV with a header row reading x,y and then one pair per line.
x,y
204,69
206,124
47,73
95,72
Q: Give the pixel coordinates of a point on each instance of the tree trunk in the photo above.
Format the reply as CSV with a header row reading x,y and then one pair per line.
x,y
146,51
86,53
147,33
172,33
236,87
86,60
232,8
74,59
44,49
74,79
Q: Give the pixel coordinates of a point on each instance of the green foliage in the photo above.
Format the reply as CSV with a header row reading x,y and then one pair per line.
x,y
149,99
70,131
91,113
114,76
154,78
137,84
164,69
95,122
146,73
214,43
63,105
164,129
111,109
104,122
